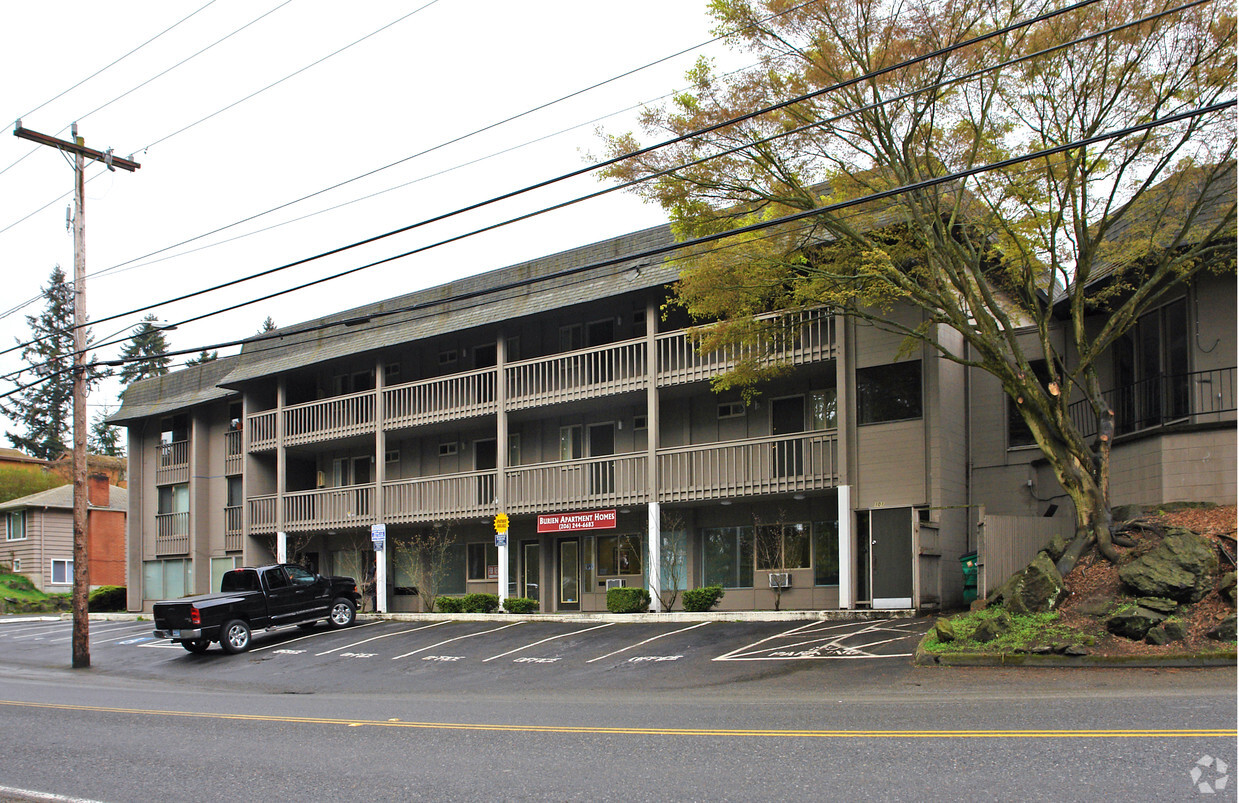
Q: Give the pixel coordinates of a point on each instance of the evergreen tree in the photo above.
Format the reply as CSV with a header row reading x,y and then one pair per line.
x,y
43,409
268,325
203,356
148,350
104,438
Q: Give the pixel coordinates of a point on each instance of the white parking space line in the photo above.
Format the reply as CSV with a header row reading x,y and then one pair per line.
x,y
727,656
552,638
150,628
376,638
30,794
41,632
129,630
458,638
826,645
27,619
311,635
647,641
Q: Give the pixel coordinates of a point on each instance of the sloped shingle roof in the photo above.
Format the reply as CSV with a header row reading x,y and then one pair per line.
x,y
62,497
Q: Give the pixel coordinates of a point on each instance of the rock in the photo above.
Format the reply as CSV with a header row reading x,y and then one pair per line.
x,y
1225,631
978,605
1159,604
1226,588
1134,623
991,629
1075,649
1039,587
944,631
1181,568
1044,649
1175,630
1157,636
1095,606
1055,547
999,595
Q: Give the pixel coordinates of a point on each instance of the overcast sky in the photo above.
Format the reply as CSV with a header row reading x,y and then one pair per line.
x,y
445,71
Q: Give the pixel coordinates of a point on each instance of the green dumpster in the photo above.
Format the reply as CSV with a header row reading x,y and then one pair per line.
x,y
968,562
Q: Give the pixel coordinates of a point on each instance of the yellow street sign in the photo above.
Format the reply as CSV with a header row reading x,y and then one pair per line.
x,y
501,523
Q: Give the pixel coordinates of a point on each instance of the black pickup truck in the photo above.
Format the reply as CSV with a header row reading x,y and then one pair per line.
x,y
256,599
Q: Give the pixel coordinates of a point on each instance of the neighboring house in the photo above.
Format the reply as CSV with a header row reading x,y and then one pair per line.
x,y
557,392
38,535
15,458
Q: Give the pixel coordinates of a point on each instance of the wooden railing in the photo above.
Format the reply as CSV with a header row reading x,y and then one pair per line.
x,y
234,455
232,520
173,463
601,371
442,399
456,496
262,513
350,506
262,428
337,417
611,480
171,533
751,467
798,338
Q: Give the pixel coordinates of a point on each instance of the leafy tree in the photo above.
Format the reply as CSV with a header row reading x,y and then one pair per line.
x,y
42,408
203,357
146,353
104,438
17,482
1054,258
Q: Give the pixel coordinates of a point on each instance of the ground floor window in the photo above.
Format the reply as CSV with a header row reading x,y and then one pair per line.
x,y
166,579
727,554
826,553
782,546
483,561
453,578
619,554
62,572
673,573
220,567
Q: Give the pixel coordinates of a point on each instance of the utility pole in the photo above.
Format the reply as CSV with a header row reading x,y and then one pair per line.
x,y
81,557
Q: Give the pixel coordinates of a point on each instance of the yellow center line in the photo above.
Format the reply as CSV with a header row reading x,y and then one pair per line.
x,y
1163,733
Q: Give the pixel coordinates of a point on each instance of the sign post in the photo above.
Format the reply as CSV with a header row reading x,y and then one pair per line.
x,y
501,546
378,534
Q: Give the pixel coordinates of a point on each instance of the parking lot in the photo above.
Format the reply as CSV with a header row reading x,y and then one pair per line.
x,y
465,652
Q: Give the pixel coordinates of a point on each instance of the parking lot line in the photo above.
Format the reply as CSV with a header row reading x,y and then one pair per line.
x,y
647,641
376,638
38,633
309,635
551,638
149,628
784,634
457,638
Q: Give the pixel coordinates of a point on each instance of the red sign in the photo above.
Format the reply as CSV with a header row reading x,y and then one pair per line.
x,y
571,522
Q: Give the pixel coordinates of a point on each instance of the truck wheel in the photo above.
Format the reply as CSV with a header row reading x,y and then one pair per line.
x,y
235,637
343,613
197,646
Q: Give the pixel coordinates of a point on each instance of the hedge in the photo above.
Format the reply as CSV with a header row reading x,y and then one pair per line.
x,y
107,599
448,604
628,600
520,605
479,603
697,600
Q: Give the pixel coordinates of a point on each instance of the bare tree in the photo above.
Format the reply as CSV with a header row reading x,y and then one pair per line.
x,y
673,558
423,557
779,545
296,544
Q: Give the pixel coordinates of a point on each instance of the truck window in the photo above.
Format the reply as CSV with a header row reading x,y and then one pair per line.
x,y
276,579
299,576
239,580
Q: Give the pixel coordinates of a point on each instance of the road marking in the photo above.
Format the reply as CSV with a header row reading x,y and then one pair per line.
x,y
1165,733
30,794
443,658
93,642
376,638
130,631
26,619
311,635
358,654
823,645
640,659
289,652
458,638
530,660
647,641
551,638
38,633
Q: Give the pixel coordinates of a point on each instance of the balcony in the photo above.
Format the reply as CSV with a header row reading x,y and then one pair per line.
x,y
611,480
456,496
444,399
800,338
262,429
171,534
234,456
262,513
753,467
172,463
233,531
337,417
1199,397
592,373
351,506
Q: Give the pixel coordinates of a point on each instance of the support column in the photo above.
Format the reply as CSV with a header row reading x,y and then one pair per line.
x,y
651,455
501,458
380,477
847,568
281,468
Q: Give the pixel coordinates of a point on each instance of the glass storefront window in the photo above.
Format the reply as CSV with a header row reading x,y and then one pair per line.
x,y
728,557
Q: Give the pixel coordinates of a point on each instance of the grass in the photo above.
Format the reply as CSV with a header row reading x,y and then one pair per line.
x,y
1027,631
17,586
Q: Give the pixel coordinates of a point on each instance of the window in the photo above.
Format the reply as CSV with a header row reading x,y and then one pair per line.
x,y
1018,433
221,567
299,576
674,551
1151,370
234,492
447,357
514,448
447,449
17,564
570,443
166,579
889,392
570,337
482,557
391,373
639,422
173,499
15,526
826,553
391,456
731,410
174,429
234,416
619,554
453,578
782,546
727,556
62,572
822,410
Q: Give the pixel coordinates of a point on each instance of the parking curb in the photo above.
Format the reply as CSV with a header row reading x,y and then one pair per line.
x,y
638,618
923,657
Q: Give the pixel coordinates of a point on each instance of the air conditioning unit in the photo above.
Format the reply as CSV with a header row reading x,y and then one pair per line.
x,y
780,580
618,582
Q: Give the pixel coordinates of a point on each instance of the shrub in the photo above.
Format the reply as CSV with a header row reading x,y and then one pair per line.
x,y
107,599
479,603
448,604
702,599
520,605
628,600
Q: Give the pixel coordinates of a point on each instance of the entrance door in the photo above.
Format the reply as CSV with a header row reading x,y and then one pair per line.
x,y
602,474
570,574
484,459
890,557
786,418
532,569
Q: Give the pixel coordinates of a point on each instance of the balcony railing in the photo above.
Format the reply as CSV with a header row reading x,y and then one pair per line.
x,y
611,480
443,399
337,417
798,338
171,533
351,506
601,371
262,514
456,496
233,532
173,463
262,428
779,464
234,456
1198,397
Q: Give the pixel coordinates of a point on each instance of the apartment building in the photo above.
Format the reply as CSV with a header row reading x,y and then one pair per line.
x,y
557,392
